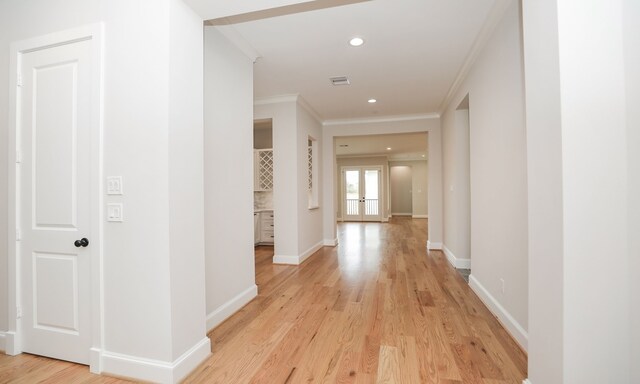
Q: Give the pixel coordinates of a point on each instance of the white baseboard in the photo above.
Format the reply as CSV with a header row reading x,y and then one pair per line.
x,y
526,381
510,324
286,259
420,216
232,306
401,213
330,242
154,370
385,220
454,261
9,343
297,260
306,254
436,246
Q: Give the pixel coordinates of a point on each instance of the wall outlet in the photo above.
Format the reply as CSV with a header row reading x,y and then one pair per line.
x,y
502,286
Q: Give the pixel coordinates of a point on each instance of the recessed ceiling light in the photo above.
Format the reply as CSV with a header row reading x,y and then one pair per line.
x,y
371,101
356,42
388,148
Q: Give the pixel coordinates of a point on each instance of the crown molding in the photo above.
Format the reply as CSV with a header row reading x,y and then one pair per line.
x,y
305,104
493,19
239,41
276,99
381,119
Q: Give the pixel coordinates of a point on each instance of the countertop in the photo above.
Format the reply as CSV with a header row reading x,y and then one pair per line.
x,y
262,210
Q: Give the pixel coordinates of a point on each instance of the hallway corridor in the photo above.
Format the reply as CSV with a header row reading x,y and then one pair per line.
x,y
377,308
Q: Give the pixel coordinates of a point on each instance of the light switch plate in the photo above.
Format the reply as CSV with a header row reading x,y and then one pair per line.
x,y
114,212
114,185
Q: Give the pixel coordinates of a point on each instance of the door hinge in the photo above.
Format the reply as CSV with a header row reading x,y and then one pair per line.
x,y
18,235
18,156
18,312
19,80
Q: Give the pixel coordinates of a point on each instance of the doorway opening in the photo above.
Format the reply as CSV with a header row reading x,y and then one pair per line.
x,y
263,184
462,193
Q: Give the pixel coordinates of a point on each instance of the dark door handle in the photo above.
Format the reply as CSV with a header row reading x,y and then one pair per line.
x,y
82,242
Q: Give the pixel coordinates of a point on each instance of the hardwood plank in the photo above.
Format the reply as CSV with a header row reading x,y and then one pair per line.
x,y
378,308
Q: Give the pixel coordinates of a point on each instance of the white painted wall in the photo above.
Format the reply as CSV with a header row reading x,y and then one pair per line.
x,y
498,168
544,173
583,76
594,192
309,220
228,168
457,193
400,186
333,129
631,14
186,179
419,185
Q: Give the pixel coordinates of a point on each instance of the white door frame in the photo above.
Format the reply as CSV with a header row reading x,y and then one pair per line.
x,y
343,196
94,32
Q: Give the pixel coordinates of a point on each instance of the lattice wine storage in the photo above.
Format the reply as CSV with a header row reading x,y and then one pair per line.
x,y
265,167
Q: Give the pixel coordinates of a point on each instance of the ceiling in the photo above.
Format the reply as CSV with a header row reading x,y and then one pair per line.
x,y
406,146
412,53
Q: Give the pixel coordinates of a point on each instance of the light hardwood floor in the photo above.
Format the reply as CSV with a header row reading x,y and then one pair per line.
x,y
376,309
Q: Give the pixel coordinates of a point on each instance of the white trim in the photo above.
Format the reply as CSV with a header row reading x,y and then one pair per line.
x,y
526,381
2,342
385,220
510,324
401,214
381,119
304,104
435,246
330,242
232,306
454,261
286,259
313,249
297,260
239,41
95,33
493,19
155,370
276,99
9,345
420,216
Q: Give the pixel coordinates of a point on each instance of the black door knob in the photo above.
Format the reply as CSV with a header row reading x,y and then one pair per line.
x,y
82,242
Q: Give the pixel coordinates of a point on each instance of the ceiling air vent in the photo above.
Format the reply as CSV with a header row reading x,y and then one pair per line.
x,y
339,80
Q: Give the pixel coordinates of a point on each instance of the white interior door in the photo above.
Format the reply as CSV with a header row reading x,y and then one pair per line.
x,y
54,189
361,194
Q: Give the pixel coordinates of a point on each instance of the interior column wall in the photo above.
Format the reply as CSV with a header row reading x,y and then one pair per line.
x,y
631,14
544,174
228,181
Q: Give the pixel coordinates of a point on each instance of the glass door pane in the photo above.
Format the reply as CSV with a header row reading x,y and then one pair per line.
x,y
352,192
372,189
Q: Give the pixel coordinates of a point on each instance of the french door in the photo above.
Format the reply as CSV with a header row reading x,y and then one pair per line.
x,y
361,194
